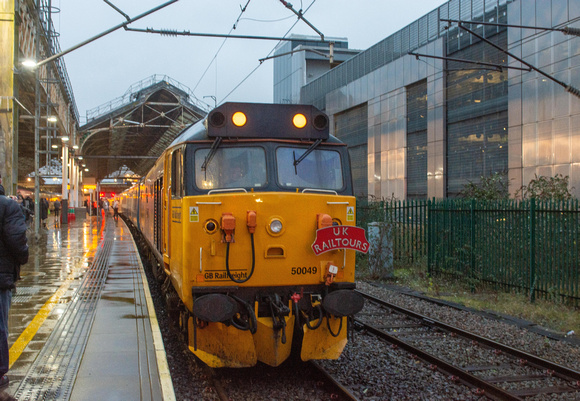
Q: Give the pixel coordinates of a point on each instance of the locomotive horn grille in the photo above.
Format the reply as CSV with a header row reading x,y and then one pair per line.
x,y
320,122
217,119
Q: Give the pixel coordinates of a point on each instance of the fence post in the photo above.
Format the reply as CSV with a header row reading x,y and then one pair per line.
x,y
472,244
532,249
429,241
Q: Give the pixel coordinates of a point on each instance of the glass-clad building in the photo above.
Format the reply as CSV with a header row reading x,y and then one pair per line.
x,y
420,127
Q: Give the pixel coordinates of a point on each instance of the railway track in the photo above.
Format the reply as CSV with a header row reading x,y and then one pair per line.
x,y
337,390
498,371
225,383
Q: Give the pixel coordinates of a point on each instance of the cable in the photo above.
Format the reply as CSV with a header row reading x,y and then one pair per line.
x,y
431,65
330,329
320,318
271,51
231,277
267,20
222,45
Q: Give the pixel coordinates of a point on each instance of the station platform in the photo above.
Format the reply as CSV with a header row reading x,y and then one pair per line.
x,y
82,324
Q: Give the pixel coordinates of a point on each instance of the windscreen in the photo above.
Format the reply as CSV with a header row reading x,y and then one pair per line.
x,y
231,168
321,169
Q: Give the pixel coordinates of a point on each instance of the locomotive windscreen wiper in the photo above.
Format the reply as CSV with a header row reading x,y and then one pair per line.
x,y
211,154
304,155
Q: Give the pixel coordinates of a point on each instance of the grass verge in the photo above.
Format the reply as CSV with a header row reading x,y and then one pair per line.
x,y
550,314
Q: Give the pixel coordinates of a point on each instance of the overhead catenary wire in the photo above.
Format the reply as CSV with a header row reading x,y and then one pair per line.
x,y
167,32
569,88
266,20
108,31
271,51
243,10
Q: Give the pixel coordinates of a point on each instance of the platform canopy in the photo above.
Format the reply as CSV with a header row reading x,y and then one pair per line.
x,y
133,130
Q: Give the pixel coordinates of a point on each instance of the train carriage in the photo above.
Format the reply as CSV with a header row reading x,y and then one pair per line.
x,y
231,212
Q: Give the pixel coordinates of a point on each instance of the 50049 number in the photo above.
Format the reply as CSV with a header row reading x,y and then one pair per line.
x,y
304,270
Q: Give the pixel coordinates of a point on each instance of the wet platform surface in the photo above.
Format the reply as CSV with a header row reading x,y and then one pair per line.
x,y
82,324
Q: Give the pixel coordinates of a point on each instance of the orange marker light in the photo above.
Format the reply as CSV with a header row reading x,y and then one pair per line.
x,y
299,120
239,119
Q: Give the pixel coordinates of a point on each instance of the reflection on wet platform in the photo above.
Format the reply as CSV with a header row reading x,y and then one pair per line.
x,y
75,271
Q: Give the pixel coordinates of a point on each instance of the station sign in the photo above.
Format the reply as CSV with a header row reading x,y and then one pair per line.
x,y
340,237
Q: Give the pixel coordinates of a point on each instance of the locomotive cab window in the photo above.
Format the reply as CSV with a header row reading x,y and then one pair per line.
x,y
177,174
320,169
240,167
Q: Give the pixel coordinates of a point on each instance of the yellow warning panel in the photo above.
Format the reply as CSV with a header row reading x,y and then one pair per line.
x,y
193,214
221,346
350,213
319,344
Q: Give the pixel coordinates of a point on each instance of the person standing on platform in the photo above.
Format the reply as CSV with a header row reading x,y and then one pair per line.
x,y
105,208
56,206
13,254
43,211
116,209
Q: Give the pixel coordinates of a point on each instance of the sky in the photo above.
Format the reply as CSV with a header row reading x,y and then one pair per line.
x,y
104,69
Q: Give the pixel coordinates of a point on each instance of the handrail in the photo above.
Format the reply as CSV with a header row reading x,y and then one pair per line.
x,y
319,190
227,190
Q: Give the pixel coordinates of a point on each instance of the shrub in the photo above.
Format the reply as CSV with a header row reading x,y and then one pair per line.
x,y
546,188
493,187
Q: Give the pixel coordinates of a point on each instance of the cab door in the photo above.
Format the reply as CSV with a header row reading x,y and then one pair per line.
x,y
166,212
175,198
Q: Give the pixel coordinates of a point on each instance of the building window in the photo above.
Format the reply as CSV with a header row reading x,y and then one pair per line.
x,y
417,140
476,148
351,127
477,103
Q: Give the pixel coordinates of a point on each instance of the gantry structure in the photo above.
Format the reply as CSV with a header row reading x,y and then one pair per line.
x,y
133,130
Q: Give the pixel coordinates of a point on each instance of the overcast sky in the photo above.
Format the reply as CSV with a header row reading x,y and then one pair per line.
x,y
104,69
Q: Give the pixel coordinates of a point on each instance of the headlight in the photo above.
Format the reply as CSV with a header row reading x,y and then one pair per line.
x,y
276,226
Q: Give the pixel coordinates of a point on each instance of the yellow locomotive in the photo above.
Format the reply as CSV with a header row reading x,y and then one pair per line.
x,y
231,212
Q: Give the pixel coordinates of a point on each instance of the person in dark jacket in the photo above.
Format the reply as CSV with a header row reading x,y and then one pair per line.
x,y
43,211
13,254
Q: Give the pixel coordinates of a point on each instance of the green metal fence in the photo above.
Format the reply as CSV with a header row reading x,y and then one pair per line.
x,y
407,220
528,245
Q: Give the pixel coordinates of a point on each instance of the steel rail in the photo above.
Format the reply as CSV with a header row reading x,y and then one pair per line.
x,y
344,392
540,363
491,391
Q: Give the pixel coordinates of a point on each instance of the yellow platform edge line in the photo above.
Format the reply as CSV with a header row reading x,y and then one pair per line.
x,y
162,365
30,331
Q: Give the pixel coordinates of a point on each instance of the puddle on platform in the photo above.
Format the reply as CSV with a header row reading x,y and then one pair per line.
x,y
129,316
119,299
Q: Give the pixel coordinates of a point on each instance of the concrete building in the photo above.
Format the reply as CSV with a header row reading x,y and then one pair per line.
x,y
303,59
423,127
